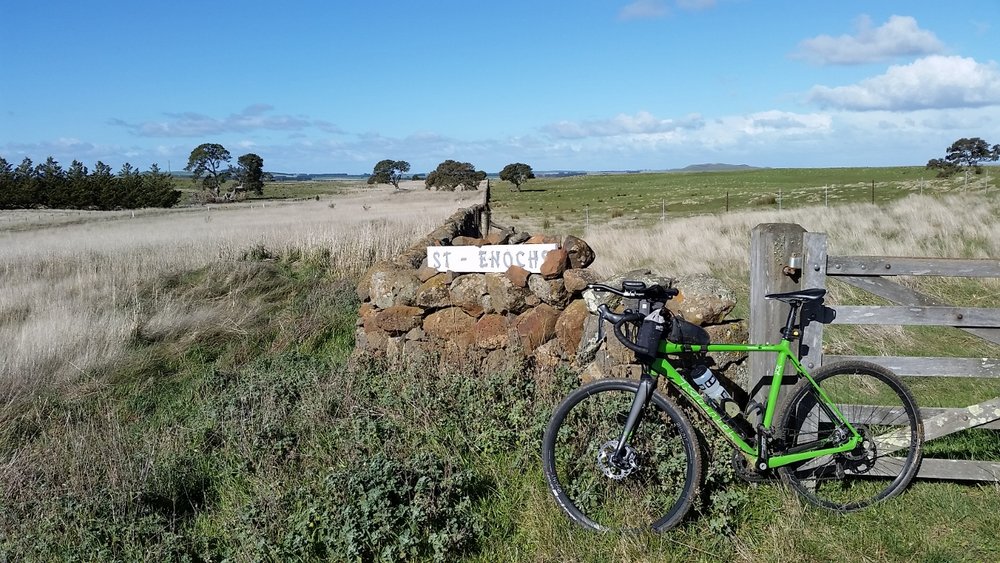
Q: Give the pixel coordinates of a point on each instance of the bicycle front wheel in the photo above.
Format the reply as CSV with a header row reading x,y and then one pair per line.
x,y
654,484
880,408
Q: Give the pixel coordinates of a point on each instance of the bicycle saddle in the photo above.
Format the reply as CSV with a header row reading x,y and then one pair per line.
x,y
811,294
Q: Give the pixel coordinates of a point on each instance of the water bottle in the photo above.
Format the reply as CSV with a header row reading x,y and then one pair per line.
x,y
720,399
710,385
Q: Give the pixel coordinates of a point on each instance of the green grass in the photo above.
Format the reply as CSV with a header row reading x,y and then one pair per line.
x,y
642,199
260,441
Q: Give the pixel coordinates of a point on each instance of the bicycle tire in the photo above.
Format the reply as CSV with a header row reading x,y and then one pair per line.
x,y
879,405
655,495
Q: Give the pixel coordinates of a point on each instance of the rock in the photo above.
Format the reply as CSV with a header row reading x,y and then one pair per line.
x,y
542,239
536,326
589,344
467,292
412,257
703,300
364,311
518,238
576,279
552,292
504,296
592,372
554,264
425,272
364,285
492,332
393,287
579,252
595,299
467,241
416,334
398,319
497,237
518,276
548,356
569,326
435,293
449,324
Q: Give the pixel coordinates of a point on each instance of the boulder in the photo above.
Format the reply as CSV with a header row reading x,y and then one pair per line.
x,y
548,356
497,237
569,326
449,324
467,241
703,300
576,279
425,272
467,292
554,264
518,276
542,239
536,326
504,296
393,287
398,319
552,292
435,293
518,238
579,252
364,284
492,332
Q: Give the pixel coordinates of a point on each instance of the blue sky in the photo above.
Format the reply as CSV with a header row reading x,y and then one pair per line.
x,y
336,86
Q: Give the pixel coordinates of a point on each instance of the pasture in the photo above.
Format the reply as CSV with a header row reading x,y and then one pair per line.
x,y
176,387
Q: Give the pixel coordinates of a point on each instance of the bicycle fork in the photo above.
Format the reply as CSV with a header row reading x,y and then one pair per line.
x,y
647,384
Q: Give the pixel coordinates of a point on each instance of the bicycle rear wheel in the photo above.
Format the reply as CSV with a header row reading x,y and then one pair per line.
x,y
651,490
881,408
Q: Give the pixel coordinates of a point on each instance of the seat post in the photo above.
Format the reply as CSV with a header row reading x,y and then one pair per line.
x,y
793,308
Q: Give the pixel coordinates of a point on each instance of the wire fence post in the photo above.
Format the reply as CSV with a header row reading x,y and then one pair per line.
x,y
873,192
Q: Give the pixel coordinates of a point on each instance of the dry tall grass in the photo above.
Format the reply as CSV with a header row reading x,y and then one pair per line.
x,y
958,226
71,279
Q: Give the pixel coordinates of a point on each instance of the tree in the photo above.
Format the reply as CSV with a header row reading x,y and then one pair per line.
x,y
389,172
450,174
517,173
249,173
207,162
965,154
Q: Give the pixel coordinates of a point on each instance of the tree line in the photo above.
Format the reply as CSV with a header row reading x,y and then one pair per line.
x,y
48,185
449,175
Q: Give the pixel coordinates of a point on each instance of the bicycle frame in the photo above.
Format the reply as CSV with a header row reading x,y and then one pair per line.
x,y
804,452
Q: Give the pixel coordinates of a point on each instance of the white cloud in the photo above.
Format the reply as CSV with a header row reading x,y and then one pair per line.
x,y
252,118
932,82
898,37
643,10
642,123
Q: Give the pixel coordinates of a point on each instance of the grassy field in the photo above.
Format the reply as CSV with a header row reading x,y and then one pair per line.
x,y
177,389
642,200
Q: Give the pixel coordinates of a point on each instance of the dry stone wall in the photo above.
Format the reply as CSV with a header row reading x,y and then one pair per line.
x,y
481,320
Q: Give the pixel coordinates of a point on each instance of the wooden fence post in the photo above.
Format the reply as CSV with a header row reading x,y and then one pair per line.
x,y
771,247
813,275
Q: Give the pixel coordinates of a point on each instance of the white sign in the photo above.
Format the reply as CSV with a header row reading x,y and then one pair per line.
x,y
488,258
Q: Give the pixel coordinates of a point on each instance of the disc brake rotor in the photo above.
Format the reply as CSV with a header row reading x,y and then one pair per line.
x,y
620,469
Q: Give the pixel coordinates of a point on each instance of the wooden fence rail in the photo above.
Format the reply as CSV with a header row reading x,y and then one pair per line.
x,y
784,257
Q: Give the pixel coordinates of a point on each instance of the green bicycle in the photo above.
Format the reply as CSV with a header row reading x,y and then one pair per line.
x,y
619,455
